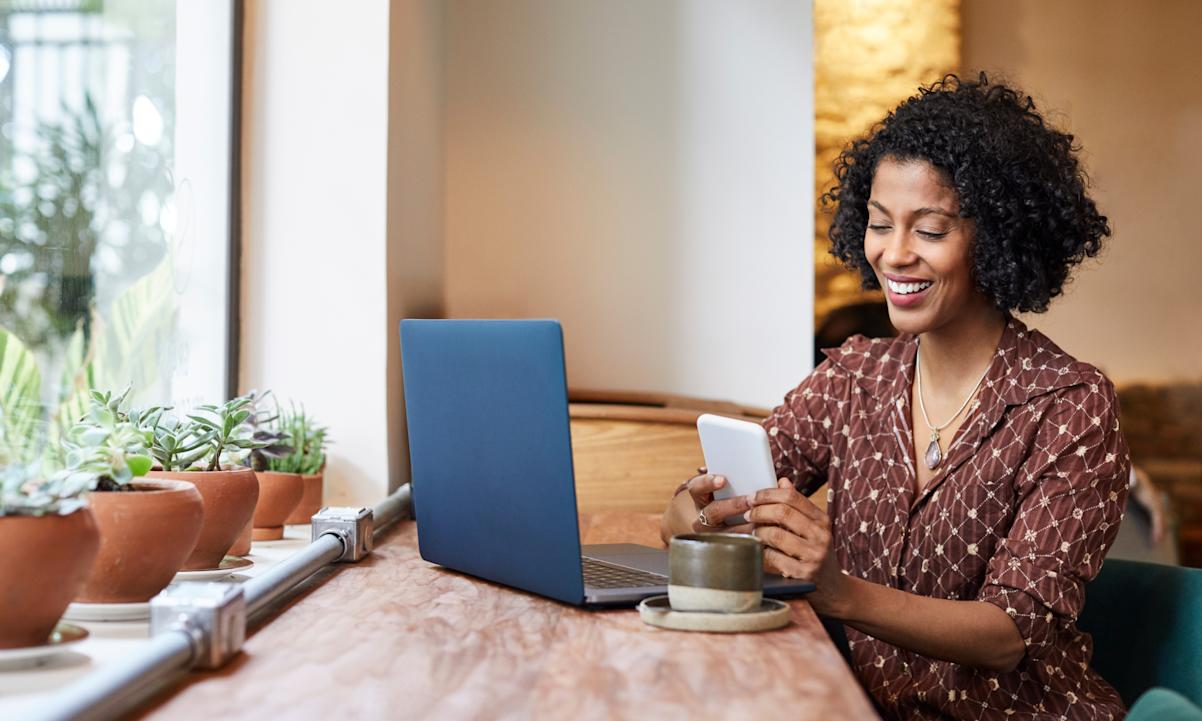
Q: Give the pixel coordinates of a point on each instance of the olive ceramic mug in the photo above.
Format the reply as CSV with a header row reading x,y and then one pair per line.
x,y
721,572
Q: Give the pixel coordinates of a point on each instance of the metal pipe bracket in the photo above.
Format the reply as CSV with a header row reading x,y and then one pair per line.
x,y
213,615
352,525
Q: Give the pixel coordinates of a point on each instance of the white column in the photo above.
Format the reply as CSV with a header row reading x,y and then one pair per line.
x,y
314,232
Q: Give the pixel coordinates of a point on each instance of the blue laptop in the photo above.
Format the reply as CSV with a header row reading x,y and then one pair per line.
x,y
491,452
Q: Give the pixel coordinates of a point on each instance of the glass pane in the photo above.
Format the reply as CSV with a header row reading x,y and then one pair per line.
x,y
102,187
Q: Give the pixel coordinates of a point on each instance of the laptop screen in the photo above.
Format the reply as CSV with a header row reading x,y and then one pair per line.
x,y
490,447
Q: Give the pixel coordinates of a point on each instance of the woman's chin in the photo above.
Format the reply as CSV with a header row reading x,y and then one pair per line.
x,y
907,320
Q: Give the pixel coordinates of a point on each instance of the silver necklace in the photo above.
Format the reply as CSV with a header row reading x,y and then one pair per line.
x,y
934,455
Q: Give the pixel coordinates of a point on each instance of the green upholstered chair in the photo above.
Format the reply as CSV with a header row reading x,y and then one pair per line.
x,y
1161,704
1146,622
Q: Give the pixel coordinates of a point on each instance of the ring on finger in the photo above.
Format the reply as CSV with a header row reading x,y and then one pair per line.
x,y
703,520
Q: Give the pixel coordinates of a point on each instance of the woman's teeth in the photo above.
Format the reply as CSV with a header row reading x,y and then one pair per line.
x,y
908,288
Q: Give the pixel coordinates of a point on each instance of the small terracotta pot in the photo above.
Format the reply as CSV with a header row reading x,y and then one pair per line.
x,y
229,499
44,560
145,535
310,501
279,494
241,546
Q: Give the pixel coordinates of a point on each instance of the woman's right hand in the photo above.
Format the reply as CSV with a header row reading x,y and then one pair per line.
x,y
694,501
711,515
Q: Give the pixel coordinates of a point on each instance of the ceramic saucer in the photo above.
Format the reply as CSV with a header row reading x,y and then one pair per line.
x,y
771,614
63,637
108,611
231,564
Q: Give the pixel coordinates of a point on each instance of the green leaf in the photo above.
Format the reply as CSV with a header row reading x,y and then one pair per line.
x,y
20,401
205,422
139,465
92,436
200,441
122,475
185,462
131,343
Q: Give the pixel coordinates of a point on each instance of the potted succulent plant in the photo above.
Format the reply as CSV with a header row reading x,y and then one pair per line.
x,y
308,458
48,540
206,448
280,491
147,526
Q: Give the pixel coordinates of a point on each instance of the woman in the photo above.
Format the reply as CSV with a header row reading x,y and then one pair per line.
x,y
977,473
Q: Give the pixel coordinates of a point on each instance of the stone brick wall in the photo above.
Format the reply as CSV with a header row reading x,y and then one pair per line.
x,y
1163,427
868,57
1163,421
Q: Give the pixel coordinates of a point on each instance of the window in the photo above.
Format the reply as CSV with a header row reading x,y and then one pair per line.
x,y
115,195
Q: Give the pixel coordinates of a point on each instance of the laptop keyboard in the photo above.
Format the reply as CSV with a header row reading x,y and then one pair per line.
x,y
599,574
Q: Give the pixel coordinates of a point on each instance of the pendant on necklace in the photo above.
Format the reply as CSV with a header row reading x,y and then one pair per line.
x,y
934,456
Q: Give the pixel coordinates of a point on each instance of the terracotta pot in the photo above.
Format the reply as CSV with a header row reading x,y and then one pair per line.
x,y
44,560
241,546
310,501
229,499
145,535
279,494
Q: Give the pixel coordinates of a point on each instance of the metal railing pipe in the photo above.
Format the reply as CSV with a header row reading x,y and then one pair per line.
x,y
392,509
112,689
262,590
116,688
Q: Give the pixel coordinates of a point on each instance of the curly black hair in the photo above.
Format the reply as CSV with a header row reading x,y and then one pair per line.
x,y
1016,177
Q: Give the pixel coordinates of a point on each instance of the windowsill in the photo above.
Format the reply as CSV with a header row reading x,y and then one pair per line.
x,y
23,687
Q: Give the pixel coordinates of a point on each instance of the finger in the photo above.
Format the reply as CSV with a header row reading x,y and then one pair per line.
x,y
718,511
701,470
745,528
785,542
718,527
787,517
789,496
702,488
779,563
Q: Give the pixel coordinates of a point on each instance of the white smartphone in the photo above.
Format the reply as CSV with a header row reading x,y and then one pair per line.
x,y
739,451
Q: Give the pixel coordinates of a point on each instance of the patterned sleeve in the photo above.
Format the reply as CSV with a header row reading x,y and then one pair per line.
x,y
800,429
1070,506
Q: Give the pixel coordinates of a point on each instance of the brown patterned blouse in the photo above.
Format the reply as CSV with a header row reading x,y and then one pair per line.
x,y
1021,514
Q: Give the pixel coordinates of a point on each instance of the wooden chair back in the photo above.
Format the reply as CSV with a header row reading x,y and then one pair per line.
x,y
631,450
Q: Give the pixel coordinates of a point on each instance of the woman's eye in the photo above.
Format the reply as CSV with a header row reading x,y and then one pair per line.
x,y
878,228
931,235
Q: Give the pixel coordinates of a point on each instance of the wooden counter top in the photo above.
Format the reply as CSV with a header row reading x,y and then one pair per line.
x,y
394,637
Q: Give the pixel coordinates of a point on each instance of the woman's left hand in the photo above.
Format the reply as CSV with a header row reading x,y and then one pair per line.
x,y
797,542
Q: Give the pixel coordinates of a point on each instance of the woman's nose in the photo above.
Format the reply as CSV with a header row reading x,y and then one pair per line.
x,y
898,251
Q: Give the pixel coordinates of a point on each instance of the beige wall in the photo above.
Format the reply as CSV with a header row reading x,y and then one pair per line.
x,y
643,172
1126,78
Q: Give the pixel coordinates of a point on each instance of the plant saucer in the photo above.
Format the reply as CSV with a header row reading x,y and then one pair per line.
x,y
108,611
231,564
63,638
771,614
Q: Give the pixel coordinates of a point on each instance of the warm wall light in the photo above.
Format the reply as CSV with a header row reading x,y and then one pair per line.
x,y
868,56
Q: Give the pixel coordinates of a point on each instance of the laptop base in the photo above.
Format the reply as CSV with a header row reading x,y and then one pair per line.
x,y
655,560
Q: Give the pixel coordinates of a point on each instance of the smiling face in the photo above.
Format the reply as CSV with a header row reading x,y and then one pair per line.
x,y
920,248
